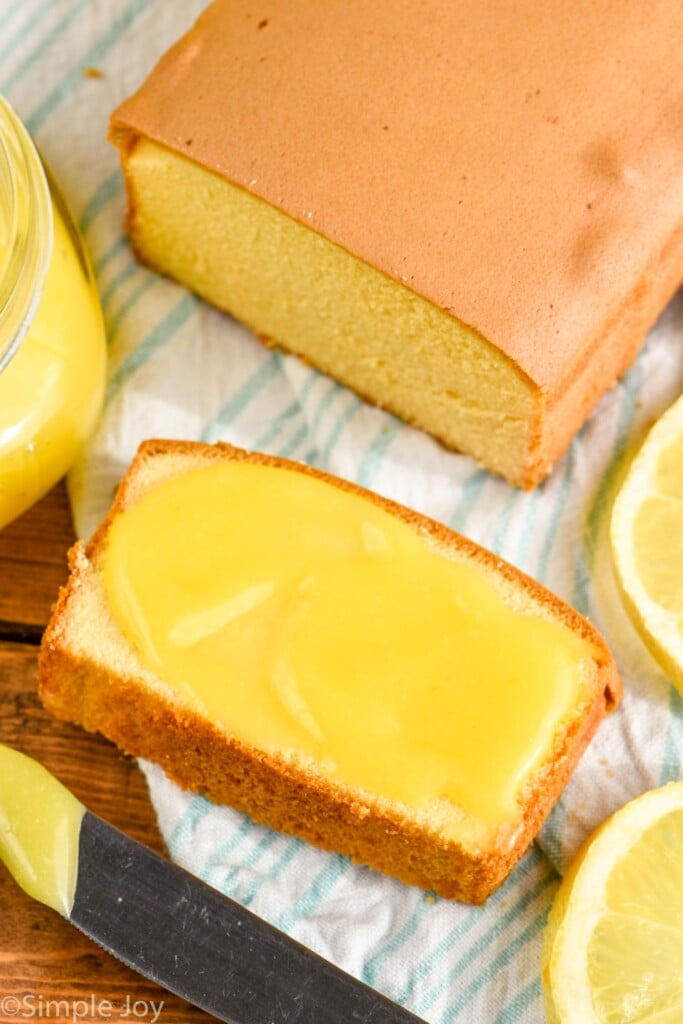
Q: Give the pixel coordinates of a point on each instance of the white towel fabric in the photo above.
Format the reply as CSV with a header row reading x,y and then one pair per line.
x,y
180,369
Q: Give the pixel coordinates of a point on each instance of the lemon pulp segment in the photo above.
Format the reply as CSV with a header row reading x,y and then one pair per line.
x,y
635,956
614,944
647,541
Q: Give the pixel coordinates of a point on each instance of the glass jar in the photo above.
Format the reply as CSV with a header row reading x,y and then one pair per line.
x,y
52,339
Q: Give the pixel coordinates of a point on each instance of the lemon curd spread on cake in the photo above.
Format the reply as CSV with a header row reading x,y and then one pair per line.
x,y
468,212
334,664
329,629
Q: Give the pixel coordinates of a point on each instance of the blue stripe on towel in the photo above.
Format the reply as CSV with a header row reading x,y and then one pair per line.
x,y
32,58
435,957
103,194
224,850
371,462
529,995
671,766
469,495
373,966
123,275
105,42
146,284
508,953
184,828
22,30
156,339
334,870
268,368
484,941
340,425
103,261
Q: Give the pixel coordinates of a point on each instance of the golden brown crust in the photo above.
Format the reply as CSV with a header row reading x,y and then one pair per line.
x,y
560,251
614,346
542,196
199,756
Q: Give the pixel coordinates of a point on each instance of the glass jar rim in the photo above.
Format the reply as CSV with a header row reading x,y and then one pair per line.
x,y
27,223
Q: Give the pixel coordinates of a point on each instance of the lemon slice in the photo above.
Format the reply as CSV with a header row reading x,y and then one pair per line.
x,y
614,944
647,541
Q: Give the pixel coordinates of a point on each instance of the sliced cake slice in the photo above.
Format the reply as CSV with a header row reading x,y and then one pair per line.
x,y
336,665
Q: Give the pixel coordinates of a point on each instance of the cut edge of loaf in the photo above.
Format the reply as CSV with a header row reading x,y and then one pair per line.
x,y
557,415
89,674
536,457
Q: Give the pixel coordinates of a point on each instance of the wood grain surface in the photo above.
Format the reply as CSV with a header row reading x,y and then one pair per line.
x,y
48,970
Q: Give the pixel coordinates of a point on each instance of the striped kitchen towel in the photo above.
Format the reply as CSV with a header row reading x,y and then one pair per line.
x,y
180,369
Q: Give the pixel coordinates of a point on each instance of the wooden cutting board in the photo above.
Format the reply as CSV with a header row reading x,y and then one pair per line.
x,y
48,970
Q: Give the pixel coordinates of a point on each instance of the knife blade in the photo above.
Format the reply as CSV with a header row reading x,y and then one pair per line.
x,y
162,921
208,949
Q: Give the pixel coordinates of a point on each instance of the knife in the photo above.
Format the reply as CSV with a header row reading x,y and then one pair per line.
x,y
163,922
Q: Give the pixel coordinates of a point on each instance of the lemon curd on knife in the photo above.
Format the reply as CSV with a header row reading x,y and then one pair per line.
x,y
40,822
332,663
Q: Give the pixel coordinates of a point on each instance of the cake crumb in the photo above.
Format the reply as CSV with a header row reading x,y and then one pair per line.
x,y
92,73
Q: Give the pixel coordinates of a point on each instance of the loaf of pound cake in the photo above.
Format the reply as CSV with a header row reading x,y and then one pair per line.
x,y
335,665
470,213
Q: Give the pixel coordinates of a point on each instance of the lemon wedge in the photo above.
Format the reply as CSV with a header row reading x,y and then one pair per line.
x,y
613,949
647,541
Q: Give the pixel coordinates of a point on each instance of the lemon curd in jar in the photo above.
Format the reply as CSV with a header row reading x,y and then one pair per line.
x,y
52,341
